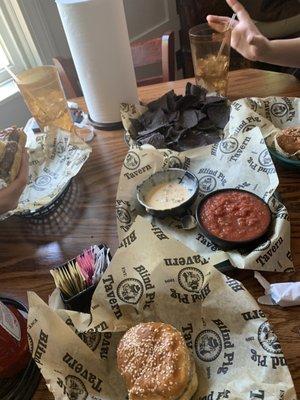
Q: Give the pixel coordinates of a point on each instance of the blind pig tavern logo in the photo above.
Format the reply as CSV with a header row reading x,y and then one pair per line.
x,y
248,128
41,347
279,109
267,339
263,164
76,389
130,290
209,345
73,388
123,215
84,373
191,279
174,162
262,259
42,182
229,145
265,159
207,183
132,160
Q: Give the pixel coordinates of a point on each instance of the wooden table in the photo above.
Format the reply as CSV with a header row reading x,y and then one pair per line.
x,y
28,250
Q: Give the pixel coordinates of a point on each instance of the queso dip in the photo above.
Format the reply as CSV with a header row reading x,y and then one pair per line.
x,y
166,195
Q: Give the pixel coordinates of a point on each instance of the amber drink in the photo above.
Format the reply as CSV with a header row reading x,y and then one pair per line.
x,y
44,96
211,54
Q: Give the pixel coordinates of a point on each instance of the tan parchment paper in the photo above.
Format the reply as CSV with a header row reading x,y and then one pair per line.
x,y
55,157
242,161
153,277
271,114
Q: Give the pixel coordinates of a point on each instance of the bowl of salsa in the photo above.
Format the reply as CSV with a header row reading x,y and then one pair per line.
x,y
234,218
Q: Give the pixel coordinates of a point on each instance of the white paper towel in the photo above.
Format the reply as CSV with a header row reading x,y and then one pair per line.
x,y
98,38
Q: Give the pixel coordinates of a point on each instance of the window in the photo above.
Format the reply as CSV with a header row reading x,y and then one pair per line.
x,y
17,50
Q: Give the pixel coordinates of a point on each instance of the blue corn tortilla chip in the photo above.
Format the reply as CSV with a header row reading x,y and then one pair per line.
x,y
181,122
218,114
156,139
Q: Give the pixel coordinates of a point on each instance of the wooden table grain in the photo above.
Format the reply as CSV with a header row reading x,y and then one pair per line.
x,y
28,250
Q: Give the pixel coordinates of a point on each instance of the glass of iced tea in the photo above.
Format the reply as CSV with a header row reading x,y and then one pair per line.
x,y
210,52
44,96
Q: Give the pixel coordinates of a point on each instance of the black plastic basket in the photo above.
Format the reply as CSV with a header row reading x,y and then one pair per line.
x,y
49,208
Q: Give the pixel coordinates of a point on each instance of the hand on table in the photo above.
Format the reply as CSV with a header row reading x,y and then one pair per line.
x,y
9,196
245,36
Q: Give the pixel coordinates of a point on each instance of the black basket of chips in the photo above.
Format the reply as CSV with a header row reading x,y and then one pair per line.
x,y
177,122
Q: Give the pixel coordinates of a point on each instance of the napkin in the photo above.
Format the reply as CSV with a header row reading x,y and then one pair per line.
x,y
284,294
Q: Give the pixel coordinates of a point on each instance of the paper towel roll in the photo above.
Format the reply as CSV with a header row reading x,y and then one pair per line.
x,y
97,34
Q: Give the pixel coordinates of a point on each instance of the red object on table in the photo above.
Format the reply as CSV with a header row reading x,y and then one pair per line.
x,y
14,351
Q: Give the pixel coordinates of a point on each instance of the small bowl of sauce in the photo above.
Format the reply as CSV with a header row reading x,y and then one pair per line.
x,y
168,192
234,218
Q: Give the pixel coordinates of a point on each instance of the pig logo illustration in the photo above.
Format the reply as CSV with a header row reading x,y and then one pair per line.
x,y
191,279
229,145
208,345
265,159
130,290
76,389
123,215
279,109
268,339
207,183
132,160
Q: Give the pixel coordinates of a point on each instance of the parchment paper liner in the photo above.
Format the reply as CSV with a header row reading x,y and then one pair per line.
x,y
54,158
155,278
243,162
271,114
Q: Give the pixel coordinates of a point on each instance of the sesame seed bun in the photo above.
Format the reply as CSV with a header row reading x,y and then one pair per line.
x,y
156,364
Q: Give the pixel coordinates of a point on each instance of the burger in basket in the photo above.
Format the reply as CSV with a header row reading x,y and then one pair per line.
x,y
155,363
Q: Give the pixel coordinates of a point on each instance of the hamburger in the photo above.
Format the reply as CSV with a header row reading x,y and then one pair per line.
x,y
12,143
155,363
289,140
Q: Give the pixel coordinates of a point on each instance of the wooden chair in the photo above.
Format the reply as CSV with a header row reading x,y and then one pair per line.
x,y
155,51
144,53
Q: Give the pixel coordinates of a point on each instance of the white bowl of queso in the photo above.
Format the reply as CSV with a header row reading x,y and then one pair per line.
x,y
168,192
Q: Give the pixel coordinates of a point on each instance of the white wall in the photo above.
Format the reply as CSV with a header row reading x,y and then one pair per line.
x,y
145,19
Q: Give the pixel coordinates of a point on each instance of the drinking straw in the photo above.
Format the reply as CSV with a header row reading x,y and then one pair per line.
x,y
228,26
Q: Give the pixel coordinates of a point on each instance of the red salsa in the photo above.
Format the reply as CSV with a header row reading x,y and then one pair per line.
x,y
235,216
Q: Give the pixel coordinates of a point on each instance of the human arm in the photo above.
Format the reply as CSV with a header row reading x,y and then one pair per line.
x,y
9,196
249,41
